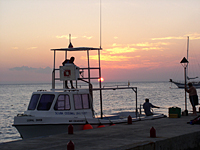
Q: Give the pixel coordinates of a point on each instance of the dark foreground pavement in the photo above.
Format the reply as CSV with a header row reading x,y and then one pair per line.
x,y
171,134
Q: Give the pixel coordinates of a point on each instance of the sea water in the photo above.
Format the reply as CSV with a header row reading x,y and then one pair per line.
x,y
14,99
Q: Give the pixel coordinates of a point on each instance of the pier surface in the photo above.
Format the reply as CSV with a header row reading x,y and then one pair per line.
x,y
171,134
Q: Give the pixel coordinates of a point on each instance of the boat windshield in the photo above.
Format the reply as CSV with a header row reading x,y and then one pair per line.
x,y
45,101
33,101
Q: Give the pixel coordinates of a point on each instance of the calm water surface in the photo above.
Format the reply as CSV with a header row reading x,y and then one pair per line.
x,y
14,100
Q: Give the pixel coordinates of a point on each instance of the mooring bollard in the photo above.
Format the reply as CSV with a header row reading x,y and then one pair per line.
x,y
152,132
129,119
70,129
70,145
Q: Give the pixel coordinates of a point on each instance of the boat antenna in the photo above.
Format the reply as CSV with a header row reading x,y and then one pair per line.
x,y
69,38
187,46
100,24
70,44
187,56
101,107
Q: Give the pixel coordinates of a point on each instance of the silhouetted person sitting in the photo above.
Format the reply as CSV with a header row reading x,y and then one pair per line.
x,y
147,107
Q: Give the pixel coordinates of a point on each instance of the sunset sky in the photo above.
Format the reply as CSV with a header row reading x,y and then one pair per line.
x,y
142,40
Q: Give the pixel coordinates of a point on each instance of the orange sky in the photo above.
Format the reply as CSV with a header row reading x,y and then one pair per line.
x,y
141,40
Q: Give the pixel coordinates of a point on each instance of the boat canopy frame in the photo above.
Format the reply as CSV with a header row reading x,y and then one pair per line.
x,y
76,49
89,78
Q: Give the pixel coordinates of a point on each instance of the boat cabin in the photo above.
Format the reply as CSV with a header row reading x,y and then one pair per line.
x,y
61,103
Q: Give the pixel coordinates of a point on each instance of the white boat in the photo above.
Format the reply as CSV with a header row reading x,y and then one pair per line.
x,y
182,84
51,112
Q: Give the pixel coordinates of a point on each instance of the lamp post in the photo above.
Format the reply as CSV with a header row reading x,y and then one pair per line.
x,y
184,62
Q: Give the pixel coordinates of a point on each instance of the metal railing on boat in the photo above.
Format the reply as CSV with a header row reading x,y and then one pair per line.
x,y
120,88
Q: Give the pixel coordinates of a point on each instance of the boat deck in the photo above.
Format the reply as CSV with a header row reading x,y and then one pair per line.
x,y
171,133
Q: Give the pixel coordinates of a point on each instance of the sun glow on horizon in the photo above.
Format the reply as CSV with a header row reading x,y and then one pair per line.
x,y
101,79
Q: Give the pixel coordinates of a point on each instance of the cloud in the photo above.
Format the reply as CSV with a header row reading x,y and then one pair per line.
x,y
73,37
87,37
129,48
46,70
192,36
152,48
168,38
110,58
65,36
120,50
114,58
115,44
147,44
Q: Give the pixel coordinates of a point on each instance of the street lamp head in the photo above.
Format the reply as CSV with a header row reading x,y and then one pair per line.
x,y
184,62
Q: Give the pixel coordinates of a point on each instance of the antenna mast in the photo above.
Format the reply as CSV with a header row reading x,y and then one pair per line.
x,y
100,24
101,106
69,38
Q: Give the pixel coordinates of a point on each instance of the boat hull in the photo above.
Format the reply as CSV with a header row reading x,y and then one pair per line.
x,y
182,85
41,130
31,131
51,126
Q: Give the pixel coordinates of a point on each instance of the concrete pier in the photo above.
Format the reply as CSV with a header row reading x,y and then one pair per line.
x,y
171,134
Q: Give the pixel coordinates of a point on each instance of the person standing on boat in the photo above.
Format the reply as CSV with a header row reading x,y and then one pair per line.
x,y
147,107
69,61
193,96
